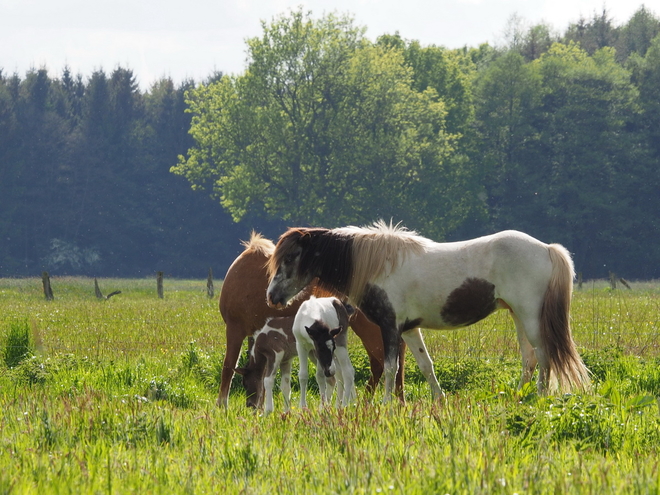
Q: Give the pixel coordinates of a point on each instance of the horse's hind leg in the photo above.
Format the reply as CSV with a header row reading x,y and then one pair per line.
x,y
235,337
416,344
526,352
531,349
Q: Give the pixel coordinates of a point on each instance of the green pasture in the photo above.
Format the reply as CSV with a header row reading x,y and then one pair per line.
x,y
118,396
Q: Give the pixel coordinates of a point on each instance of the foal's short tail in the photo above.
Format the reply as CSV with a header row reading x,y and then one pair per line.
x,y
564,360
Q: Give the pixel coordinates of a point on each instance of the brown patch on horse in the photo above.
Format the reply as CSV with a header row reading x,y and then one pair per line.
x,y
474,300
277,335
281,323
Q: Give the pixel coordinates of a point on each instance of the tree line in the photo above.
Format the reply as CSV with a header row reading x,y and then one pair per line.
x,y
85,182
553,134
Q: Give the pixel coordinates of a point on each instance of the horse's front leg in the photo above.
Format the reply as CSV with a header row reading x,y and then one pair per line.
x,y
377,307
285,369
303,374
413,338
339,382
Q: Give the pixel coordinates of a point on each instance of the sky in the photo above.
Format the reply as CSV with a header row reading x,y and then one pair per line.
x,y
194,38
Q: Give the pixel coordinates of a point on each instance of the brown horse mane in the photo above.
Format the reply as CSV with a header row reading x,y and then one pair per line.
x,y
259,244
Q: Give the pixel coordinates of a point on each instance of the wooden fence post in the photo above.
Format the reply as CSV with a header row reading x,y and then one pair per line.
x,y
612,280
48,291
579,277
159,284
209,284
97,291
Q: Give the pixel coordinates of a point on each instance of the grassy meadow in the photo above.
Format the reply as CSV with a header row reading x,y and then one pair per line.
x,y
118,396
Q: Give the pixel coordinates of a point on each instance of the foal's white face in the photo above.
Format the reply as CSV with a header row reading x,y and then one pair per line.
x,y
287,282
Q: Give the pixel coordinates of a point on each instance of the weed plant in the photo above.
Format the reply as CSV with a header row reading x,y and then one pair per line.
x,y
17,345
118,396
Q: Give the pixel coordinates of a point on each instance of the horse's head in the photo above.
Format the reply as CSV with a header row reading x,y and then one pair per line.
x,y
254,385
324,345
289,268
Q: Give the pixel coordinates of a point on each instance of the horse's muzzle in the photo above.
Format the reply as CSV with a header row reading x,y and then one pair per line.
x,y
275,302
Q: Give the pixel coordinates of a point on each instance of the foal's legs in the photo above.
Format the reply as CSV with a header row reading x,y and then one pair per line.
x,y
416,344
346,373
269,384
303,373
326,384
339,382
285,369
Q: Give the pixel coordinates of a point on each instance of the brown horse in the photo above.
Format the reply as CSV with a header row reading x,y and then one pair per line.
x,y
243,308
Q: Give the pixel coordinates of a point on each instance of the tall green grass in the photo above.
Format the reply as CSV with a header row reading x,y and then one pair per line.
x,y
118,396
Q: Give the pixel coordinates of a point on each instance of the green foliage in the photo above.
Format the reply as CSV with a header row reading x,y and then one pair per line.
x,y
323,122
140,414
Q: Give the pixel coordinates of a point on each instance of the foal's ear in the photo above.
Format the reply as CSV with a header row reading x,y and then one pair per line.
x,y
335,331
241,371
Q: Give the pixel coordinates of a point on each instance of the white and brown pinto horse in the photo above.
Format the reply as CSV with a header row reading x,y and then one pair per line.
x,y
403,281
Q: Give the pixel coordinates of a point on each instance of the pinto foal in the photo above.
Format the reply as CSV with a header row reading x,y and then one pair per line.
x,y
321,332
274,348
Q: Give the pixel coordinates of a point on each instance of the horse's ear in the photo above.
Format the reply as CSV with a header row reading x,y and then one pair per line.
x,y
335,331
241,371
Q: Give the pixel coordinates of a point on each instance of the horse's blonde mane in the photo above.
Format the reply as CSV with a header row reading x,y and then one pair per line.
x,y
378,249
259,244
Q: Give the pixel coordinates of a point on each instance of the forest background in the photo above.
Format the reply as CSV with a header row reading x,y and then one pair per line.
x,y
554,134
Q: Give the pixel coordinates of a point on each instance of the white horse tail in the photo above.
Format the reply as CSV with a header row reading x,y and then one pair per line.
x,y
564,361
